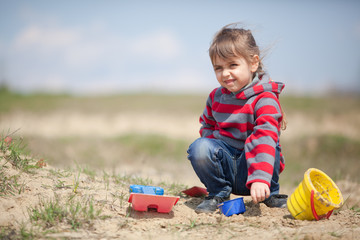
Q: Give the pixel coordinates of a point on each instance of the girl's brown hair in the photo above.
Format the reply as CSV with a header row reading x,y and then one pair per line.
x,y
232,42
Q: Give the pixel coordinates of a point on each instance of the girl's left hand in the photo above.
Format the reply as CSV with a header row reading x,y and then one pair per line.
x,y
259,192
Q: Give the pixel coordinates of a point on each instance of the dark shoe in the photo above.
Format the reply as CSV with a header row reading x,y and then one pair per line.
x,y
276,201
209,205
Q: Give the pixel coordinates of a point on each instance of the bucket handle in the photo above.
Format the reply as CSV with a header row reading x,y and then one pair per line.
x,y
327,216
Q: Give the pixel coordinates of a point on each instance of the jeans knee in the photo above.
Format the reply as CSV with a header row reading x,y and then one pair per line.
x,y
199,150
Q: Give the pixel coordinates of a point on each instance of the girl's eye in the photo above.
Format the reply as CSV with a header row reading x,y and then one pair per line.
x,y
217,68
233,65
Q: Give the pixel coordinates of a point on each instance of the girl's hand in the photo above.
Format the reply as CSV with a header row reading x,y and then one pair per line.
x,y
259,191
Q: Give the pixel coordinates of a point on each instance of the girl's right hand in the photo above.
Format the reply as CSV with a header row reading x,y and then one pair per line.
x,y
259,192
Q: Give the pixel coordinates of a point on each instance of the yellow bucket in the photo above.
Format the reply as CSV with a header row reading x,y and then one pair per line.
x,y
315,197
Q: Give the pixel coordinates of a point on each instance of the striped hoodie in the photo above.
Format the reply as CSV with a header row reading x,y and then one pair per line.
x,y
248,120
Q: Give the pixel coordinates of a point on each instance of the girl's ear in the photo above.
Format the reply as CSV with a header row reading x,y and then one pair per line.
x,y
255,63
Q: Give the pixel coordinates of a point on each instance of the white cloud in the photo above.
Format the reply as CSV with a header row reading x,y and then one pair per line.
x,y
46,39
84,55
93,57
158,45
72,47
79,47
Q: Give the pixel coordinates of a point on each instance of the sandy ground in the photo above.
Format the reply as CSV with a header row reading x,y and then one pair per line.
x,y
258,222
70,123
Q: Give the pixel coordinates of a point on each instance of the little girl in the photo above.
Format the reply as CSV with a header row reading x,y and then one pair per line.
x,y
239,150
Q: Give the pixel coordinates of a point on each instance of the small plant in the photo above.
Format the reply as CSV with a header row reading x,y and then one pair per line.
x,y
91,173
173,188
72,213
106,180
355,208
9,233
50,213
76,182
124,180
59,173
335,234
121,196
192,223
14,152
61,184
7,184
121,179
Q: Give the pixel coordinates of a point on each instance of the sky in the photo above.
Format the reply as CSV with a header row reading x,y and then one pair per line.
x,y
106,47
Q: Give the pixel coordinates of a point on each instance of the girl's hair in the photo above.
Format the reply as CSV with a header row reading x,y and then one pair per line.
x,y
232,42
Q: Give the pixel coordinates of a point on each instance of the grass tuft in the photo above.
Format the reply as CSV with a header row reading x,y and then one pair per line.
x,y
14,151
73,213
13,154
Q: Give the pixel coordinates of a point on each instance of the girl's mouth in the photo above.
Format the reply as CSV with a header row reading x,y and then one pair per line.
x,y
229,82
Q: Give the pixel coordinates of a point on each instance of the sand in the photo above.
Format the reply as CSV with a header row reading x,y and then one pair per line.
x,y
123,222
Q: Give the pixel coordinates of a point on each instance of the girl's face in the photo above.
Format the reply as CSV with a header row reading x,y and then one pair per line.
x,y
235,73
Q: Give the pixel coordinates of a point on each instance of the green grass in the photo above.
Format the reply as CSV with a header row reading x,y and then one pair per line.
x,y
154,146
23,234
356,208
42,103
72,213
173,188
335,154
171,104
334,104
13,153
10,101
9,185
124,180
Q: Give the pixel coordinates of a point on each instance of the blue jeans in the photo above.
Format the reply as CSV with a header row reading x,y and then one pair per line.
x,y
223,168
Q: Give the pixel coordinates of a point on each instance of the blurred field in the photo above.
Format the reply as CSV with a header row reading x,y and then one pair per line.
x,y
148,135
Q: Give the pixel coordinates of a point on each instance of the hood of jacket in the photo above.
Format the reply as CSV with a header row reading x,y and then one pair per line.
x,y
261,83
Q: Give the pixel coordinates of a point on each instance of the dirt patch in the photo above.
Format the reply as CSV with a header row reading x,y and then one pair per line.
x,y
118,220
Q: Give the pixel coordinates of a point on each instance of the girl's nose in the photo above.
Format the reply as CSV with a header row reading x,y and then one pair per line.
x,y
226,73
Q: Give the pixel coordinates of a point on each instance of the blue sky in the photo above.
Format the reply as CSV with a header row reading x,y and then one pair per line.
x,y
100,47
